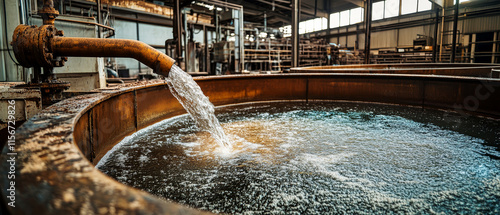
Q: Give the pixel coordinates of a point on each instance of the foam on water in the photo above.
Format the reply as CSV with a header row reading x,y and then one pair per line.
x,y
318,159
189,94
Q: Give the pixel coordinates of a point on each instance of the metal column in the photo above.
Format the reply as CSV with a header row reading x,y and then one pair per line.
x,y
178,31
368,25
99,17
295,32
455,26
239,40
207,55
436,28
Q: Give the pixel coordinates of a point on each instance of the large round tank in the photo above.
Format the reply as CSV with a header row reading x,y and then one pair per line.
x,y
56,150
460,69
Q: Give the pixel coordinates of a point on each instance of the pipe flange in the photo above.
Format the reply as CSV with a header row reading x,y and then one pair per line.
x,y
32,46
48,12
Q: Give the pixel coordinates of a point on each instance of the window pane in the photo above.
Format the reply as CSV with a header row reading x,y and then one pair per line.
x,y
460,1
355,15
324,23
408,6
363,15
317,24
334,20
302,28
391,8
344,18
378,10
309,25
424,5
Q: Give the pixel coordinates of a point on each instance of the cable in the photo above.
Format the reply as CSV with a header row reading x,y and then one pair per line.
x,y
7,36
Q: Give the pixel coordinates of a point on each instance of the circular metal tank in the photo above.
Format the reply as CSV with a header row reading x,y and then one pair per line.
x,y
457,69
56,149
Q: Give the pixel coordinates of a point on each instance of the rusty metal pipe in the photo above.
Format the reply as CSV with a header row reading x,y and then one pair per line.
x,y
45,47
92,47
48,12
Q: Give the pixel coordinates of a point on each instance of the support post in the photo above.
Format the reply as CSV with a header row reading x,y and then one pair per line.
x,y
295,32
455,26
368,25
217,26
177,31
436,28
99,19
207,55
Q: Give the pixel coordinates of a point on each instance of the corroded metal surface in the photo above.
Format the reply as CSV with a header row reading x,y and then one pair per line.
x,y
95,47
463,69
54,178
48,12
32,47
56,148
44,46
51,91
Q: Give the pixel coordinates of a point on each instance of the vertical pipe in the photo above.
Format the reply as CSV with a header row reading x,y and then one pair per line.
x,y
368,25
207,55
494,48
61,7
436,28
22,12
242,40
455,26
442,34
473,48
177,31
185,54
99,17
265,21
138,36
295,32
217,27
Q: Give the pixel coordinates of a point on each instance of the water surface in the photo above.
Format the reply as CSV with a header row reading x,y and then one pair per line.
x,y
319,158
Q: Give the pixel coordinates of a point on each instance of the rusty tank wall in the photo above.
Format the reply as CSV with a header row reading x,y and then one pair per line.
x,y
56,149
461,69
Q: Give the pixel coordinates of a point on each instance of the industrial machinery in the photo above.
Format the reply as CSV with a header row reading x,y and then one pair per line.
x,y
423,42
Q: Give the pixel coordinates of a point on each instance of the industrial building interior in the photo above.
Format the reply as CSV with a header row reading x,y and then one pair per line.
x,y
53,51
256,37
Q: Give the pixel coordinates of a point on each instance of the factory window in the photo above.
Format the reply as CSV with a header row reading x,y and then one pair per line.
x,y
356,15
344,18
302,29
378,10
461,1
309,25
408,6
318,25
391,8
424,5
324,23
334,20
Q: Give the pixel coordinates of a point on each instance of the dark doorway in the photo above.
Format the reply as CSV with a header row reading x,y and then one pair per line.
x,y
484,47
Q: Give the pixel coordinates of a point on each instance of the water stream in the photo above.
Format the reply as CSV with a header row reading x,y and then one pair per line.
x,y
189,94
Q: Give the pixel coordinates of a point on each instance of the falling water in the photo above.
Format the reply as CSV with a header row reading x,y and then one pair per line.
x,y
189,94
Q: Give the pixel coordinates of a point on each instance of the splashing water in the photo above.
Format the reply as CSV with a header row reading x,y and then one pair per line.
x,y
189,94
318,158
